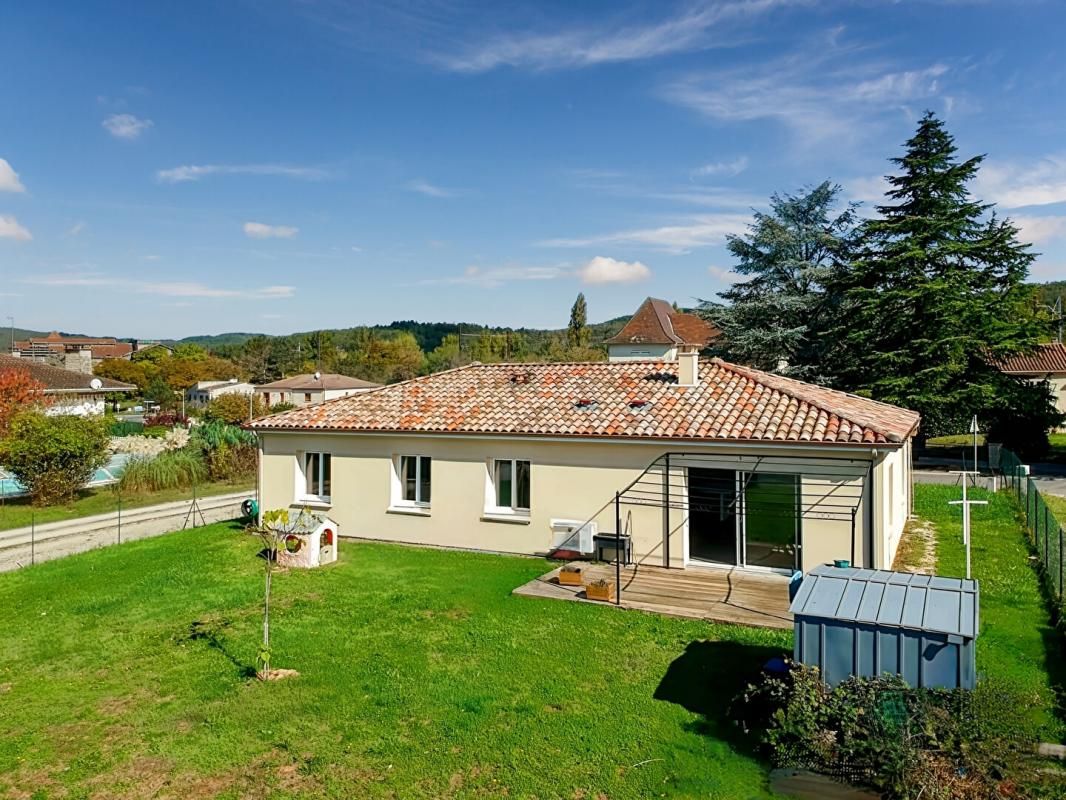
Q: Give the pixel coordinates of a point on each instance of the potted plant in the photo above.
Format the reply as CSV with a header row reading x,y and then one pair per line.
x,y
570,575
601,589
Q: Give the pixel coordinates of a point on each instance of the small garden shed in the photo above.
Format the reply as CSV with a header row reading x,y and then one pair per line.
x,y
871,622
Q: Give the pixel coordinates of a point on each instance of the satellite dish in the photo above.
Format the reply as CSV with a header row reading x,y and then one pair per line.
x,y
96,383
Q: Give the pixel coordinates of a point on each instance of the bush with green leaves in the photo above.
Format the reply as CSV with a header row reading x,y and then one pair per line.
x,y
908,743
54,456
277,408
177,469
235,408
228,451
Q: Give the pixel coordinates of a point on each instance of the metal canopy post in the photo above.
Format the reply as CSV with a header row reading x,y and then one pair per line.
x,y
617,548
666,510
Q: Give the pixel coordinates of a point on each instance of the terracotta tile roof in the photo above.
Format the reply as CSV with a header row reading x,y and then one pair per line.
x,y
327,380
634,399
58,380
1046,358
656,322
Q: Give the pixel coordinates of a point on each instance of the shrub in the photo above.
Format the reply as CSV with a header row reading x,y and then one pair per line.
x,y
277,408
234,408
177,469
125,427
18,391
54,456
165,419
229,452
907,743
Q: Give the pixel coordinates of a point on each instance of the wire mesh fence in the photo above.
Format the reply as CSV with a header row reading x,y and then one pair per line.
x,y
1046,532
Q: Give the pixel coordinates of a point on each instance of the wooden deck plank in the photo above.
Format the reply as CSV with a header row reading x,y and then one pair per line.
x,y
718,595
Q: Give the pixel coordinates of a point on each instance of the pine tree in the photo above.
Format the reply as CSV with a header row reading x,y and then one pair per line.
x,y
936,293
577,334
777,317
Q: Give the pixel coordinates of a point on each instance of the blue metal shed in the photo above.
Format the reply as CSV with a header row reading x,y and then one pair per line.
x,y
868,622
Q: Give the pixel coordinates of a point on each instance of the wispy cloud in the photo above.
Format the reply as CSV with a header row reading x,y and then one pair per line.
x,y
195,172
602,269
77,228
722,168
430,189
10,229
708,25
259,230
1021,183
9,179
819,91
1040,230
699,231
126,126
164,288
492,277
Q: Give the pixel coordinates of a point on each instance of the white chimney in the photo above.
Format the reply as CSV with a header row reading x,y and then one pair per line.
x,y
688,366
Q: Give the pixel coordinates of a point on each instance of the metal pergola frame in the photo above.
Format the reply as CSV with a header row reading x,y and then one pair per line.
x,y
654,487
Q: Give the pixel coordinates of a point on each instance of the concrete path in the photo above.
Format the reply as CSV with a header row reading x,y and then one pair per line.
x,y
1046,482
20,547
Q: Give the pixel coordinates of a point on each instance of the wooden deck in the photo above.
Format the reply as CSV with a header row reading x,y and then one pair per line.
x,y
721,595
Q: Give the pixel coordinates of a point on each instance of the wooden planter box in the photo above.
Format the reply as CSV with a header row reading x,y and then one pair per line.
x,y
570,577
602,593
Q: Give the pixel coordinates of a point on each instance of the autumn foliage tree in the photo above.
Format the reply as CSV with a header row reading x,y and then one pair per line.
x,y
18,392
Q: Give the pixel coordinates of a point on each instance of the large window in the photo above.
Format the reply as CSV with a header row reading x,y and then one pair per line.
x,y
317,475
415,479
511,483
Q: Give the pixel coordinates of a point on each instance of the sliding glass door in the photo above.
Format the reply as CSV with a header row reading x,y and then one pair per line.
x,y
771,520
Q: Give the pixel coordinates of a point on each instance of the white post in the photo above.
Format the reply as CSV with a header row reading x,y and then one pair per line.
x,y
973,430
966,503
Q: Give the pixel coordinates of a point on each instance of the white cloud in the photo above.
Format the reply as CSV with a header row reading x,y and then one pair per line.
x,y
1017,184
723,274
492,277
726,168
822,91
194,172
706,26
1040,230
259,230
9,179
431,190
10,229
602,269
867,190
164,288
700,231
126,126
77,228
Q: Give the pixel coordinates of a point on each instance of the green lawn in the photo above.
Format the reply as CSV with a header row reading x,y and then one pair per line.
x,y
17,512
1018,641
1058,448
124,672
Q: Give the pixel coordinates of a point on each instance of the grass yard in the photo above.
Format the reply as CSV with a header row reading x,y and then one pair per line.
x,y
17,512
124,672
1018,641
1058,448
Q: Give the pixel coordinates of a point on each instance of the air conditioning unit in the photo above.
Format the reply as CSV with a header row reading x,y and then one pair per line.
x,y
573,534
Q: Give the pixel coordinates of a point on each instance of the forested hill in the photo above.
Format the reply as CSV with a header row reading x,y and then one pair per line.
x,y
429,335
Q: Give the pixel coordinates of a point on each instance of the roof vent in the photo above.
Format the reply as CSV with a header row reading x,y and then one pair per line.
x,y
585,402
639,405
521,378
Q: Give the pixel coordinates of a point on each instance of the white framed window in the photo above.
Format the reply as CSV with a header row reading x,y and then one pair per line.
x,y
317,476
412,482
507,494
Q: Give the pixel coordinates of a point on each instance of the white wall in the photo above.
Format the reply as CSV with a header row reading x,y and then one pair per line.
x,y
641,352
84,405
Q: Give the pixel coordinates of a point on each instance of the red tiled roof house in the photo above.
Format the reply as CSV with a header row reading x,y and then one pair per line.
x,y
715,464
1046,363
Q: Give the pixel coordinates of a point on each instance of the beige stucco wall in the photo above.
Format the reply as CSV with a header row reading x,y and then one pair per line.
x,y
641,352
571,480
1058,386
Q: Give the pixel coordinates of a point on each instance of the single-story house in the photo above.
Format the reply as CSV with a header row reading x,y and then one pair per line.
x,y
302,390
70,391
698,463
657,331
1046,363
203,392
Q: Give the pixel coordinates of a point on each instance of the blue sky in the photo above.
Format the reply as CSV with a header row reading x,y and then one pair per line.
x,y
173,169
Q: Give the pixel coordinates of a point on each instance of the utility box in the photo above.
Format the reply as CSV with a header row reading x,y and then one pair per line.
x,y
868,623
311,542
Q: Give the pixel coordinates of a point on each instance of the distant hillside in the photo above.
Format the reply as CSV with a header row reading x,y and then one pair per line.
x,y
428,334
24,333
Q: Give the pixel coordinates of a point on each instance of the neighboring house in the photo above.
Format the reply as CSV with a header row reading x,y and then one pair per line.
x,y
1046,362
658,331
141,345
302,390
713,464
56,347
203,392
71,392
